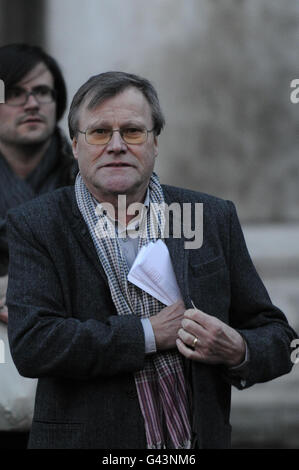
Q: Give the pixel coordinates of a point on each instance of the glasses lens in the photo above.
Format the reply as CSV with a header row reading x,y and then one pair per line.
x,y
130,135
15,96
98,136
18,96
43,94
133,135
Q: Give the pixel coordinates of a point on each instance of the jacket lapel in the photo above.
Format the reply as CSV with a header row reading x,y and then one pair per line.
x,y
179,258
83,236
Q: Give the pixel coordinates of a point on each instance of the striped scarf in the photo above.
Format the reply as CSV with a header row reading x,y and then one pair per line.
x,y
161,386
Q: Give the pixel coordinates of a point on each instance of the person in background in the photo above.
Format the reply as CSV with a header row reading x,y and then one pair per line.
x,y
35,156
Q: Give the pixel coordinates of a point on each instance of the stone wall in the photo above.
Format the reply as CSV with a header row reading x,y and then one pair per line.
x,y
267,415
223,71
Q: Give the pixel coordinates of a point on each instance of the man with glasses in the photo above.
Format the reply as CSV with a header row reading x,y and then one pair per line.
x,y
34,155
116,367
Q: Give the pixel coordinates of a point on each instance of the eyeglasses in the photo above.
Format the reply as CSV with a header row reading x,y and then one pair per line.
x,y
17,96
130,135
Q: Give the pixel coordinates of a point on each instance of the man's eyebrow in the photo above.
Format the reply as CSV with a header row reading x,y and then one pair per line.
x,y
99,123
41,85
133,123
106,124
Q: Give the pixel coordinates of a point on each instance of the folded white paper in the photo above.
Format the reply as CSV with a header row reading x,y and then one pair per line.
x,y
153,272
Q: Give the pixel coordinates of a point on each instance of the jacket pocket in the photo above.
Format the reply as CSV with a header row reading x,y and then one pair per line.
x,y
208,268
209,287
55,435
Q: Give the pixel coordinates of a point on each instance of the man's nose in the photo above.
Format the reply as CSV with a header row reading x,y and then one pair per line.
x,y
116,144
31,102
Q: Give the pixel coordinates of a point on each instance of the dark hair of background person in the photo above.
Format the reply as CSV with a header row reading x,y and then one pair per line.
x,y
106,85
16,60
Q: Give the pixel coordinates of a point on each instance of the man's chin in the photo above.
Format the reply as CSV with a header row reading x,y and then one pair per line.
x,y
119,185
33,138
117,189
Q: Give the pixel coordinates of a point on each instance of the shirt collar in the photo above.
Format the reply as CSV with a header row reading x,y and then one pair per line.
x,y
131,225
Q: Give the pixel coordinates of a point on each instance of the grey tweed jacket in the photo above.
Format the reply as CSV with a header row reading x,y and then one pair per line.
x,y
64,329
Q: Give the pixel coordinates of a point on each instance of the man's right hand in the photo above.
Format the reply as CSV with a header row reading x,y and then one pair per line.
x,y
166,325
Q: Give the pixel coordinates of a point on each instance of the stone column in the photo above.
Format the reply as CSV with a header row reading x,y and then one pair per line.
x,y
22,21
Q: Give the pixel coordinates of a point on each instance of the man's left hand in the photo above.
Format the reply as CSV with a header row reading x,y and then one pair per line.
x,y
217,343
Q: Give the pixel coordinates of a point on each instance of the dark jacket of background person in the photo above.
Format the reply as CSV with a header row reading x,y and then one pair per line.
x,y
35,158
58,168
64,329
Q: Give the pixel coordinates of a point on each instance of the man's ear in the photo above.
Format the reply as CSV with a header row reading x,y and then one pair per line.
x,y
75,147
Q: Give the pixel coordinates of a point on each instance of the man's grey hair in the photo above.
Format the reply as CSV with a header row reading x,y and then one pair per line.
x,y
107,85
